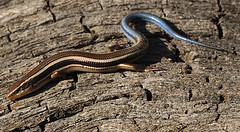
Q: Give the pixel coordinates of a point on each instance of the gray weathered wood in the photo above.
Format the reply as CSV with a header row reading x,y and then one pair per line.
x,y
198,91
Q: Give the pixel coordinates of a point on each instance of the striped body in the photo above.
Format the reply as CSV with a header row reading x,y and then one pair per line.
x,y
63,63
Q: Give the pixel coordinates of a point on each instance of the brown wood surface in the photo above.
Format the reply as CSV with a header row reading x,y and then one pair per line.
x,y
198,91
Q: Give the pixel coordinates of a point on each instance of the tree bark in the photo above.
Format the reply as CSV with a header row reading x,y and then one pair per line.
x,y
198,91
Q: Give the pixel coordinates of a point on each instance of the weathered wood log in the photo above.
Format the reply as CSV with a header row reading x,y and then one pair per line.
x,y
198,91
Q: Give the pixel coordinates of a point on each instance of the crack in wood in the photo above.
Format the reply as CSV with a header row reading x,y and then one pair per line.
x,y
207,79
190,94
220,86
164,14
216,20
221,100
218,116
86,29
123,74
8,36
48,7
81,19
100,4
234,51
219,6
148,94
188,69
9,108
42,125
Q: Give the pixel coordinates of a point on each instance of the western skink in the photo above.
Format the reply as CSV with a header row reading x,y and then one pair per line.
x,y
63,63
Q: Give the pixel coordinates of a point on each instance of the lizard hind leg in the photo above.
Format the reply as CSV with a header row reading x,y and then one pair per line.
x,y
137,67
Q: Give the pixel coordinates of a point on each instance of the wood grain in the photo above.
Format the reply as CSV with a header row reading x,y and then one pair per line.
x,y
198,91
